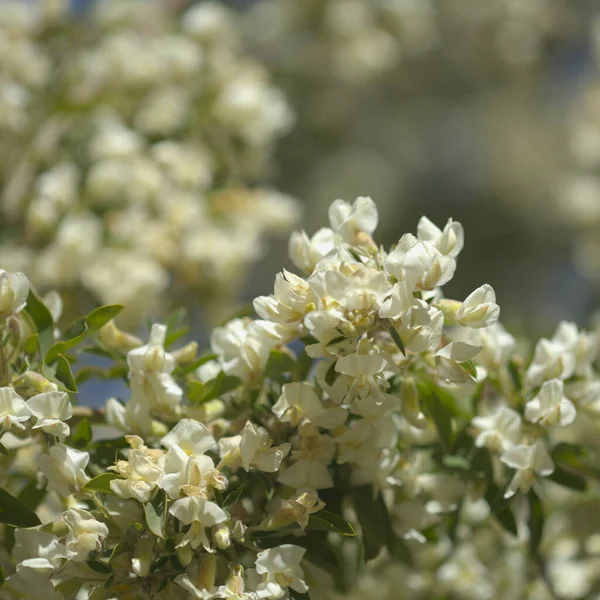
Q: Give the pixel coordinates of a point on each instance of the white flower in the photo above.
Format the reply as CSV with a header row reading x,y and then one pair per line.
x,y
86,534
529,461
150,369
187,475
51,409
14,289
38,550
500,430
421,327
65,469
398,302
306,252
421,264
191,436
449,242
281,565
200,513
256,450
479,308
550,407
141,472
350,220
569,352
13,409
306,474
243,348
297,401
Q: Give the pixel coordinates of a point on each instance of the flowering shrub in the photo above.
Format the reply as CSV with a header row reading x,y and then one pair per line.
x,y
365,433
135,144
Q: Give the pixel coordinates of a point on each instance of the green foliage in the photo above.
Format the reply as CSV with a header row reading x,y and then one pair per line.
x,y
14,512
100,483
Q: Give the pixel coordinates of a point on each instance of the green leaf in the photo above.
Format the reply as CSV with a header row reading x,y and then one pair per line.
x,y
99,567
155,523
62,346
199,392
460,463
398,548
120,548
64,374
373,518
100,316
331,374
516,372
43,322
279,363
304,365
16,513
100,483
327,521
159,563
108,583
2,575
500,508
197,363
441,415
397,339
82,328
105,452
3,450
171,338
82,435
563,476
536,522
69,588
233,497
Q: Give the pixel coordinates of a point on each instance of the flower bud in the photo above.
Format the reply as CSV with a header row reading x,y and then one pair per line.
x,y
239,530
14,289
450,309
185,554
36,382
110,335
207,572
221,536
187,354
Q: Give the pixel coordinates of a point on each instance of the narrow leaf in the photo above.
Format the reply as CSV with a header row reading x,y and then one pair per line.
x,y
14,512
100,483
154,521
397,339
327,521
82,435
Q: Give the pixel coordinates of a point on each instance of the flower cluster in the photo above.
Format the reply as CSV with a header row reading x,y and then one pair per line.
x,y
151,135
363,417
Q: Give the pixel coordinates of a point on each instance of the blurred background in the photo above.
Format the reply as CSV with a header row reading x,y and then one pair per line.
x,y
159,152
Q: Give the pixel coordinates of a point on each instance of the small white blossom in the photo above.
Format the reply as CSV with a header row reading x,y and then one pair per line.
x,y
65,469
86,534
14,289
281,565
498,431
191,436
200,513
550,407
350,220
13,409
449,241
479,309
51,409
256,451
529,461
